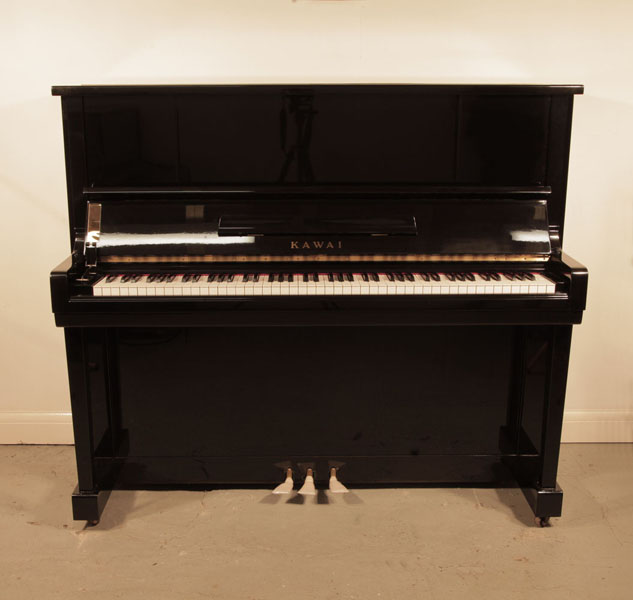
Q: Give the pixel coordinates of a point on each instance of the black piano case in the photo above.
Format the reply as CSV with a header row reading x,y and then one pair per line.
x,y
200,392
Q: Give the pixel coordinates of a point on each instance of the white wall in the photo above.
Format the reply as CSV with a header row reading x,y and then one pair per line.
x,y
80,41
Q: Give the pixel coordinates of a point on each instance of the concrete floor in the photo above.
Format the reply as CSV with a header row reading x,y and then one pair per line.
x,y
402,543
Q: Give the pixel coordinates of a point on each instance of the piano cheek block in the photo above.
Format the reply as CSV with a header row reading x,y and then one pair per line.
x,y
322,318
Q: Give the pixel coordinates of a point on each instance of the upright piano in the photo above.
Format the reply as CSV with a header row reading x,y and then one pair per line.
x,y
363,283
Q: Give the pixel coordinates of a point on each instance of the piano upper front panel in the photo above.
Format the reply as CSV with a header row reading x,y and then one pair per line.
x,y
290,136
503,140
377,139
131,140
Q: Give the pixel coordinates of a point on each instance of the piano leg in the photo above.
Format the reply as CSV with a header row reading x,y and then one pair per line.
x,y
543,492
88,499
88,506
545,503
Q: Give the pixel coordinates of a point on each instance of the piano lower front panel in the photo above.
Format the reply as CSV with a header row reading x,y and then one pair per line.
x,y
233,406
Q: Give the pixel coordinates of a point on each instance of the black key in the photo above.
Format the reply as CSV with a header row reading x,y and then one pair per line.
x,y
390,276
509,276
424,276
291,277
520,276
211,277
170,277
230,277
256,277
306,278
350,276
365,277
470,276
435,276
135,278
195,277
125,278
460,276
111,278
450,276
484,276
245,278
160,277
409,276
340,277
271,278
186,277
330,276
529,276
315,277
399,276
281,277
495,276
375,277
221,278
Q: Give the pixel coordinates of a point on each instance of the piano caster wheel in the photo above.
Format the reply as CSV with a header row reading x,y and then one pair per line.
x,y
92,523
542,521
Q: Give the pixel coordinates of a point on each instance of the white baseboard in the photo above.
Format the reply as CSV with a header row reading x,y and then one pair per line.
x,y
598,425
36,428
587,425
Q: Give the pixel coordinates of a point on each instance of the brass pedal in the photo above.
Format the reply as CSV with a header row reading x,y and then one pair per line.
x,y
287,485
336,487
308,489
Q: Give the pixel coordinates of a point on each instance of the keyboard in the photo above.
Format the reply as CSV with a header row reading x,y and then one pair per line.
x,y
323,284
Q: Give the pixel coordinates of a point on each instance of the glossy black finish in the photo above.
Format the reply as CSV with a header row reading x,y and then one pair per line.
x,y
294,224
88,506
428,89
332,227
401,377
252,139
390,390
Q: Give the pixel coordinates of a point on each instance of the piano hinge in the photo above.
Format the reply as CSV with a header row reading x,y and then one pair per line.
x,y
93,232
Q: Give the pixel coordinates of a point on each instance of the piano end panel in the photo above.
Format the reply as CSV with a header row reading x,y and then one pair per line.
x,y
60,285
558,159
75,156
578,277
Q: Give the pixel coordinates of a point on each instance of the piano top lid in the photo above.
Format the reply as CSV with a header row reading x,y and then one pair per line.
x,y
433,88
